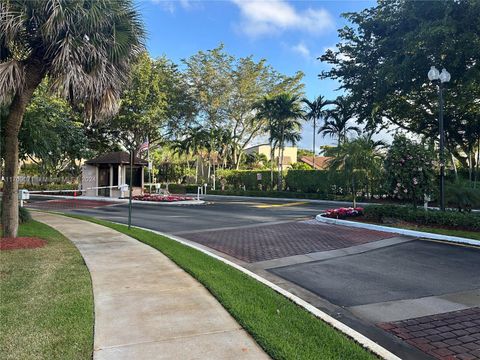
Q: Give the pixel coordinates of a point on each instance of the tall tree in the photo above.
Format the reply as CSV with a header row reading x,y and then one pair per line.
x,y
383,58
149,102
338,121
286,125
316,111
84,47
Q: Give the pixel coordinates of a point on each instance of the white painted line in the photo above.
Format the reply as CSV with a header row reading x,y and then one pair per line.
x,y
361,339
414,233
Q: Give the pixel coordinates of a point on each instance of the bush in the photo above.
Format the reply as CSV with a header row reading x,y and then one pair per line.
x,y
177,188
308,181
44,187
238,179
462,197
450,219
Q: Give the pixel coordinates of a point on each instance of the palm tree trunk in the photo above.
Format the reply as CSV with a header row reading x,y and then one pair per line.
x,y
272,155
314,132
12,128
280,162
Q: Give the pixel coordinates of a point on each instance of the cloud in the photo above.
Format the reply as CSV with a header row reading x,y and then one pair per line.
x,y
266,17
302,49
171,5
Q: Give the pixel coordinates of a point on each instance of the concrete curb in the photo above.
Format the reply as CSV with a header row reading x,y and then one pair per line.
x,y
355,335
419,234
123,201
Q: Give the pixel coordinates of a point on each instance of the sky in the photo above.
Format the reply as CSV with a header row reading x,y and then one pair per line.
x,y
290,35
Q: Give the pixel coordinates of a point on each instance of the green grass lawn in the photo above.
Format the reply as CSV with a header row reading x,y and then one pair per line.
x,y
46,307
283,329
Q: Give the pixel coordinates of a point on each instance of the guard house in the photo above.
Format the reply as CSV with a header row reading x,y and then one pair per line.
x,y
104,175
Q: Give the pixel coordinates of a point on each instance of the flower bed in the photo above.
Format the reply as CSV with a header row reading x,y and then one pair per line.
x,y
162,198
343,213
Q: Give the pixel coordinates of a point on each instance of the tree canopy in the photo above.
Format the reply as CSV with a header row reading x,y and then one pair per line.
x,y
383,58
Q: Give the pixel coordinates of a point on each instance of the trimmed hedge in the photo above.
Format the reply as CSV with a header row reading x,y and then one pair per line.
x,y
309,181
43,187
451,219
248,178
273,194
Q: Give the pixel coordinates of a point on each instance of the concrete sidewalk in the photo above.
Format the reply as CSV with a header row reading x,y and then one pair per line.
x,y
146,307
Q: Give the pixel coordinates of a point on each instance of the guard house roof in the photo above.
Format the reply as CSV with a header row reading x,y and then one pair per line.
x,y
116,158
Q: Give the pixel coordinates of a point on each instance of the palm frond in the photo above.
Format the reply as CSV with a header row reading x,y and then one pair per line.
x,y
12,78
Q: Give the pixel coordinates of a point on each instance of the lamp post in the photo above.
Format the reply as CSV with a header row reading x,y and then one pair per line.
x,y
440,78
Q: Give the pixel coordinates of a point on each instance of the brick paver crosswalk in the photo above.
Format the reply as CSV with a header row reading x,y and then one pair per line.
x,y
447,336
266,242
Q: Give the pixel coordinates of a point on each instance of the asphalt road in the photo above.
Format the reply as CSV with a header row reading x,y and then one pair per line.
x,y
216,214
414,269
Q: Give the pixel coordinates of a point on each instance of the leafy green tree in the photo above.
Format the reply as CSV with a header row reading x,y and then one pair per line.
x,y
225,89
52,135
316,111
84,47
149,103
410,169
337,121
382,62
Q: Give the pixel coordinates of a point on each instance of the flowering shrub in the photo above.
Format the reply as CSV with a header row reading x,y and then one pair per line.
x,y
410,168
159,198
342,213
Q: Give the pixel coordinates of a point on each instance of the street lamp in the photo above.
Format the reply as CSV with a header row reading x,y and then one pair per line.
x,y
440,78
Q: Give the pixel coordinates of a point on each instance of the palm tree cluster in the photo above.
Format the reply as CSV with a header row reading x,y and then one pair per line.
x,y
282,115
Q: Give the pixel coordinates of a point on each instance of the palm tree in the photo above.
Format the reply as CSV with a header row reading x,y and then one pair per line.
x,y
84,47
286,125
316,111
336,124
265,113
360,160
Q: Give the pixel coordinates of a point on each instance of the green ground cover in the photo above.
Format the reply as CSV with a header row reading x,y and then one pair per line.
x,y
283,329
46,307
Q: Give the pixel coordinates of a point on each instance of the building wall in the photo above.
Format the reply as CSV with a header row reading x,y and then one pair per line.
x,y
89,180
289,153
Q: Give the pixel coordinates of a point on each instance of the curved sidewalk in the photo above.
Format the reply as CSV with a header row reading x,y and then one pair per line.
x,y
146,307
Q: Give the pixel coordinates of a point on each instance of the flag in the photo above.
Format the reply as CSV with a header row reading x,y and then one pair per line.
x,y
143,147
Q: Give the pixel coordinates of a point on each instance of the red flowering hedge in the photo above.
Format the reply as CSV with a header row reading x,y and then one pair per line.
x,y
342,213
161,198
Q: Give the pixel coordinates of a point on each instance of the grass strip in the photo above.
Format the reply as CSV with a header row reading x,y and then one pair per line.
x,y
46,308
283,329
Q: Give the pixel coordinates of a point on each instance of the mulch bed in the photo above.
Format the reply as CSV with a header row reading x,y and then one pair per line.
x,y
21,243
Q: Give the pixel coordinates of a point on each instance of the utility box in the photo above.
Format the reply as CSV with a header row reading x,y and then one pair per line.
x,y
23,194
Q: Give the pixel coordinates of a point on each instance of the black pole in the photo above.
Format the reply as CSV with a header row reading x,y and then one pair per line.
x,y
130,191
442,148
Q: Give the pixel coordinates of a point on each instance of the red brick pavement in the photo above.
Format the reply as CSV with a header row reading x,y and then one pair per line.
x,y
452,335
266,242
69,204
